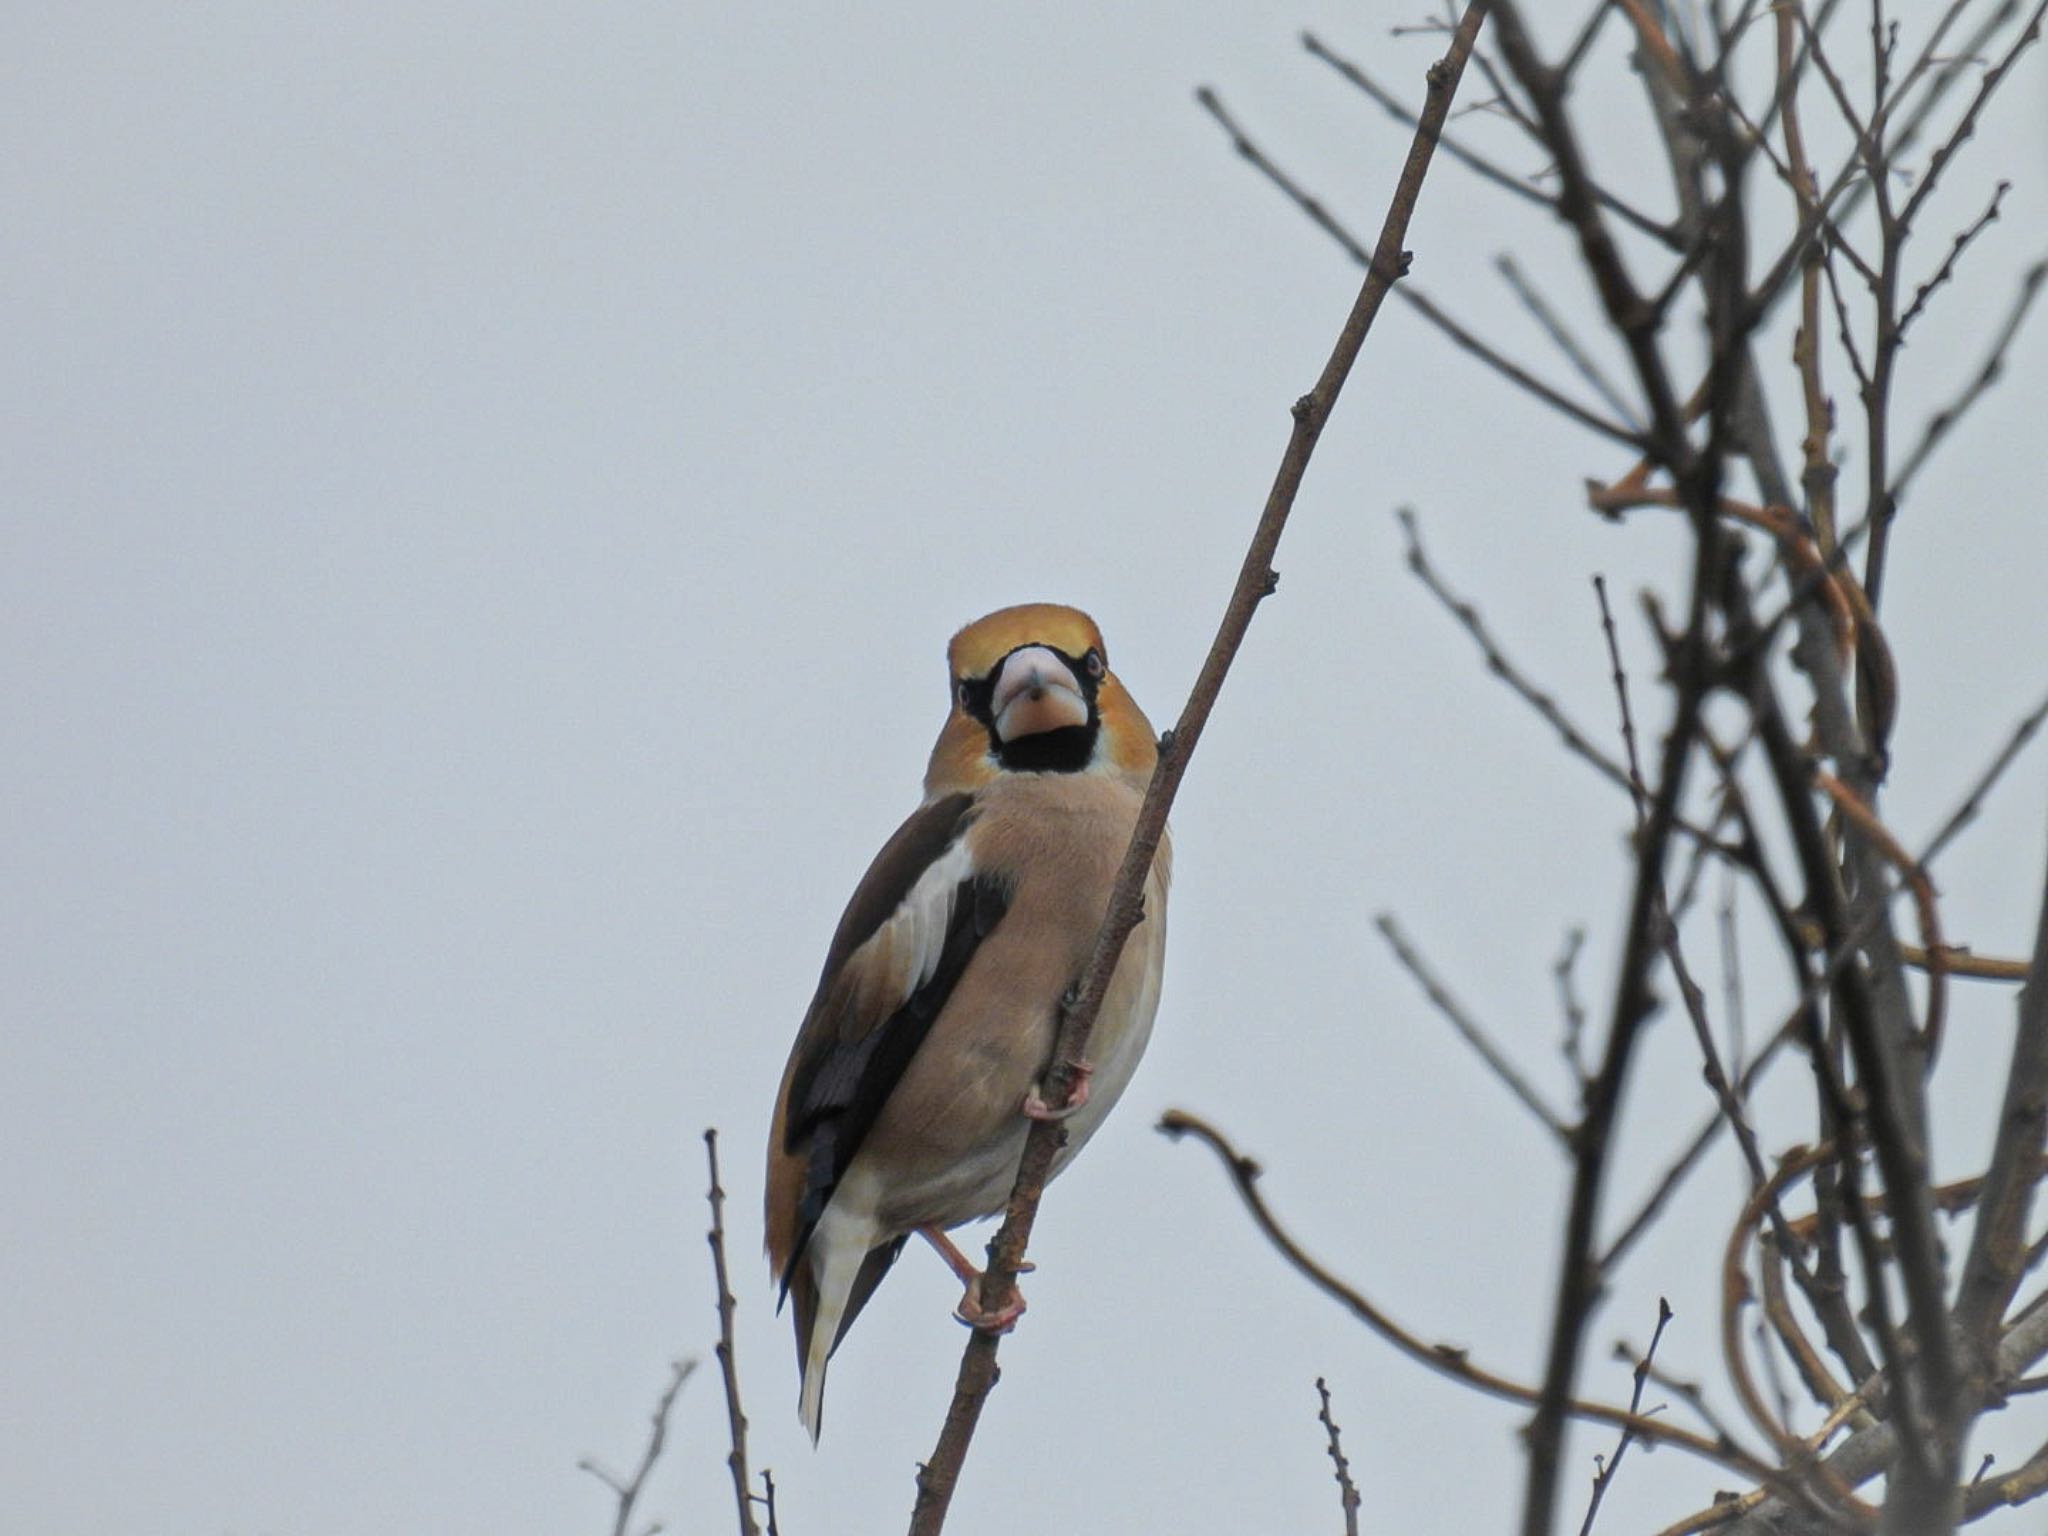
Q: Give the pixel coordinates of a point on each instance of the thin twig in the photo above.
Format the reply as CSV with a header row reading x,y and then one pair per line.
x,y
1947,270
1606,1469
1318,213
1636,788
728,1362
627,1491
1445,1359
1574,1011
1256,580
1973,802
1562,338
1347,1490
1500,666
1691,1393
1469,1028
1992,369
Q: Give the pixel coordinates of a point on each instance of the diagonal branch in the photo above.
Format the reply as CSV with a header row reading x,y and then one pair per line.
x,y
1256,580
1469,1029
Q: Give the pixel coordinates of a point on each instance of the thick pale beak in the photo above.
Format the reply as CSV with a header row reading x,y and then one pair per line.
x,y
1036,692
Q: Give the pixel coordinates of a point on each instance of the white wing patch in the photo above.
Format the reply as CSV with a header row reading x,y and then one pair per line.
x,y
904,953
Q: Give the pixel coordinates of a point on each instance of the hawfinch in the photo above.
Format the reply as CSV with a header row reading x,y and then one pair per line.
x,y
918,1068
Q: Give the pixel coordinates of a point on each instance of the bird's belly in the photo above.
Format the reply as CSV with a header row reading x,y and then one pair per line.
x,y
960,1163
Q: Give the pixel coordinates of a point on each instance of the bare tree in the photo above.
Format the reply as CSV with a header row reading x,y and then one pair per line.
x,y
1779,691
1785,226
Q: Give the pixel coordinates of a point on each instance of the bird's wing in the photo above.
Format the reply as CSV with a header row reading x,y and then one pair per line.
x,y
913,924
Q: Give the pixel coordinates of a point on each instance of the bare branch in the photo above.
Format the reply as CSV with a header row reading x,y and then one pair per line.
x,y
1561,336
1346,1489
1256,580
627,1490
1947,269
1469,1029
1319,214
1942,421
728,1362
1606,1469
1973,802
1497,661
1445,1359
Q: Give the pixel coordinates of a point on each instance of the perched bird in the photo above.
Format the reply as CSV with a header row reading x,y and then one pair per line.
x,y
920,1061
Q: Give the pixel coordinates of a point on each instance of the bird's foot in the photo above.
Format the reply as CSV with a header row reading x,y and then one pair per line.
x,y
971,1311
986,1319
1035,1107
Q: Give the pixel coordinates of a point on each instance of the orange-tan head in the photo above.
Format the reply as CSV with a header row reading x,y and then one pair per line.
x,y
1033,693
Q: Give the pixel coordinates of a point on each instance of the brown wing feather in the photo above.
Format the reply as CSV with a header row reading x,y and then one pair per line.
x,y
885,977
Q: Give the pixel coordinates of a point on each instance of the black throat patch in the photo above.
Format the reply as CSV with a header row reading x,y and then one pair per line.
x,y
1066,750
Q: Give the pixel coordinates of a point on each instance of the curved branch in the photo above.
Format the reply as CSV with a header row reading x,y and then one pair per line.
x,y
1444,1359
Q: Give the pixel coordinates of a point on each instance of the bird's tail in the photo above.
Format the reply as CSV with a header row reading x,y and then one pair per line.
x,y
823,1290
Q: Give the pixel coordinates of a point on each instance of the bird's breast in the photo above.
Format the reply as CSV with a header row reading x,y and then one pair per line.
x,y
947,1142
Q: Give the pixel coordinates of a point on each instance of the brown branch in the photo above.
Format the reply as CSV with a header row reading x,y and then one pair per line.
x,y
1697,473
627,1490
1935,954
1347,1490
1735,1293
1893,1111
1863,1455
1319,214
1951,1199
1447,1360
1777,1308
1256,579
728,1362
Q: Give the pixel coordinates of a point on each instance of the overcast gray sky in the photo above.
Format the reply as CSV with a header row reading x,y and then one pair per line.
x,y
484,491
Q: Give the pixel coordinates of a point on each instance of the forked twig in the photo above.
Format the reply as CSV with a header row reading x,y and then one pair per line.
x,y
627,1491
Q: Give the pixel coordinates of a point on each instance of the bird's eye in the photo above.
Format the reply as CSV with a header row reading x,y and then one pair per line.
x,y
1094,664
960,691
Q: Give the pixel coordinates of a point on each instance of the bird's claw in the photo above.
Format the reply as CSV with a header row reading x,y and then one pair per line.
x,y
1035,1107
989,1320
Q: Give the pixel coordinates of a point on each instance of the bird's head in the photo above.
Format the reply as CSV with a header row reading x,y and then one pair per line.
x,y
1033,693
